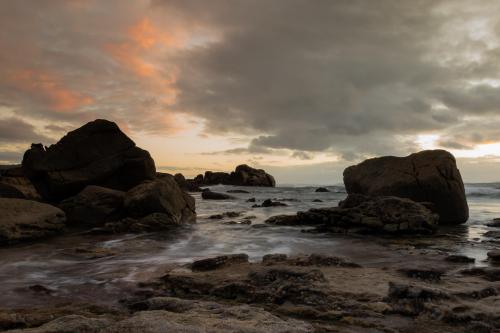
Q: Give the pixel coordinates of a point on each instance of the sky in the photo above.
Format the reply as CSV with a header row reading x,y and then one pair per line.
x,y
299,88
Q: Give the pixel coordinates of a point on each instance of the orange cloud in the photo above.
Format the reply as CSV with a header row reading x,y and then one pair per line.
x,y
50,88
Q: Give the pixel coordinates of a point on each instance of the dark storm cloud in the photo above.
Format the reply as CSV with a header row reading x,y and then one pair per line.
x,y
331,75
348,77
14,130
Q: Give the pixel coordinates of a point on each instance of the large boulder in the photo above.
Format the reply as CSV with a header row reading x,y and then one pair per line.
x,y
428,176
27,220
98,153
214,178
243,175
248,176
362,214
162,195
13,184
93,206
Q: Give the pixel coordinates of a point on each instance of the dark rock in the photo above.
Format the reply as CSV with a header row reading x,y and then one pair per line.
x,y
459,259
190,185
379,214
98,153
39,289
495,223
244,175
164,196
9,191
274,258
321,260
410,299
93,206
28,220
218,262
423,273
492,234
487,273
237,191
322,189
215,178
270,203
284,220
251,200
427,176
224,215
317,200
494,255
209,195
13,184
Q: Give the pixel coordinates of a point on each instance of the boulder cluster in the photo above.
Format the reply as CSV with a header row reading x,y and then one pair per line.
x,y
410,194
95,177
243,175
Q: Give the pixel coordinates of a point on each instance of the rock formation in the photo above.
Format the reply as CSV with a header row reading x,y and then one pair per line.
x,y
428,176
361,214
22,220
243,175
98,153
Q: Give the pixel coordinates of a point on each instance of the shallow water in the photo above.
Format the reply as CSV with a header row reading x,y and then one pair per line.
x,y
73,275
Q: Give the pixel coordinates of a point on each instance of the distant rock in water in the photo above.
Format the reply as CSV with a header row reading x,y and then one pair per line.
x,y
322,189
22,220
209,195
98,153
243,175
362,214
428,176
248,176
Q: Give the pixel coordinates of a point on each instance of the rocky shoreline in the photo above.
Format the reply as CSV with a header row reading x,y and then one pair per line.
x,y
96,181
312,293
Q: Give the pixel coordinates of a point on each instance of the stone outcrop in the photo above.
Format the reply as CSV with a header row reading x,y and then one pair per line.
x,y
93,206
428,176
22,220
98,153
162,196
361,214
13,184
243,175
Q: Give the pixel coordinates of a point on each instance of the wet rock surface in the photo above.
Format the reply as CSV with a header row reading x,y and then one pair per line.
x,y
22,220
362,214
310,293
428,176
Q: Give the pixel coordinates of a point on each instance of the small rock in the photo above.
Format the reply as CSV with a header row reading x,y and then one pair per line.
x,y
494,255
492,234
270,203
459,259
218,262
495,223
430,274
209,195
39,289
322,190
237,191
251,200
317,200
274,258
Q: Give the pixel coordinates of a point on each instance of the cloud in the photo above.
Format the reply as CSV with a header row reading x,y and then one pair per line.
x,y
14,130
346,78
